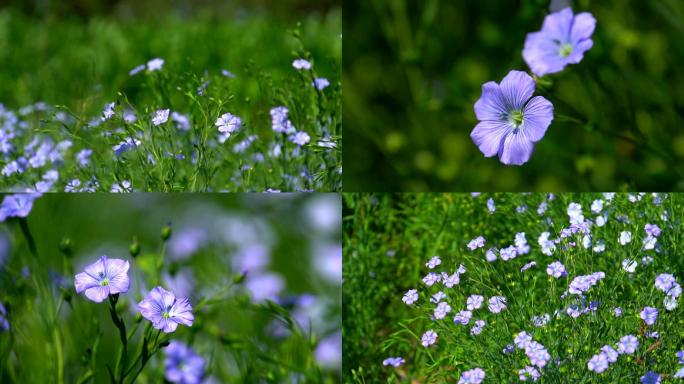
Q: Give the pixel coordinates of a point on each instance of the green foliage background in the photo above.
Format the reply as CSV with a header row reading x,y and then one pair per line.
x,y
388,238
414,69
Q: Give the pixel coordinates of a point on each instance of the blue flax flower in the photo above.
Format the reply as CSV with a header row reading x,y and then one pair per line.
x,y
563,40
102,278
165,311
511,120
182,364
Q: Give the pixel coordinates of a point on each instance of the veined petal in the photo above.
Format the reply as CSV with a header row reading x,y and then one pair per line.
x,y
96,268
541,54
83,281
516,149
537,117
487,135
117,272
182,312
582,27
578,51
558,24
517,87
491,105
97,293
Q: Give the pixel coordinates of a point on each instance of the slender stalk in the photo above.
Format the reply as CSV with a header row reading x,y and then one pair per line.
x,y
29,238
118,322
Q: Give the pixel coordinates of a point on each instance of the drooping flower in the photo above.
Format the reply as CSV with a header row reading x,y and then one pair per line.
x,y
18,205
161,117
511,120
563,40
165,310
103,278
182,364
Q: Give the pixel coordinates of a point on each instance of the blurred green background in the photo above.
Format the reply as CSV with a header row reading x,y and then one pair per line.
x,y
412,71
79,53
292,237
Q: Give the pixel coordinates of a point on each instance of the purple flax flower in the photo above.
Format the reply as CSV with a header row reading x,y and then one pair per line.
x,y
18,205
652,230
300,138
410,297
497,304
490,205
476,243
393,361
598,363
431,278
161,117
155,64
650,378
649,315
433,262
321,83
228,123
182,364
511,120
664,281
610,352
680,357
442,310
563,39
301,64
628,344
529,372
165,311
528,266
477,328
508,253
522,340
474,302
428,338
438,297
463,317
556,269
473,376
102,278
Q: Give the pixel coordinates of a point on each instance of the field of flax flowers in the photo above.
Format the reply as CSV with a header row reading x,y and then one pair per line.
x,y
544,95
150,288
205,98
503,288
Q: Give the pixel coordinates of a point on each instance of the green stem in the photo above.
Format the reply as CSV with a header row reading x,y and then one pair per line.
x,y
147,358
29,238
118,322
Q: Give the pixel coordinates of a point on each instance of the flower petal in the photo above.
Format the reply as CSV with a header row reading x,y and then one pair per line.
x,y
117,271
517,87
95,268
182,312
487,135
491,105
516,149
98,293
558,24
537,117
541,54
583,27
578,51
83,281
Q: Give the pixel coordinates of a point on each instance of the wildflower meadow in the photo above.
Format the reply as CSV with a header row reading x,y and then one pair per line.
x,y
177,288
150,96
504,288
541,95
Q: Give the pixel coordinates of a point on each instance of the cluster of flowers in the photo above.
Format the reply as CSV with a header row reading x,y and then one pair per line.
x,y
511,120
36,167
667,283
535,352
608,355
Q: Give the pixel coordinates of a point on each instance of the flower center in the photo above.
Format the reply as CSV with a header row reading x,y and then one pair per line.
x,y
565,50
515,117
165,314
104,282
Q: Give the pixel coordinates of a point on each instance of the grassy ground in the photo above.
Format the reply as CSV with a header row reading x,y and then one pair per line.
x,y
417,68
389,238
73,68
259,317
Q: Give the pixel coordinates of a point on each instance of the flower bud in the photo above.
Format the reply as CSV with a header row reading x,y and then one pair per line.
x,y
66,247
134,249
166,232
